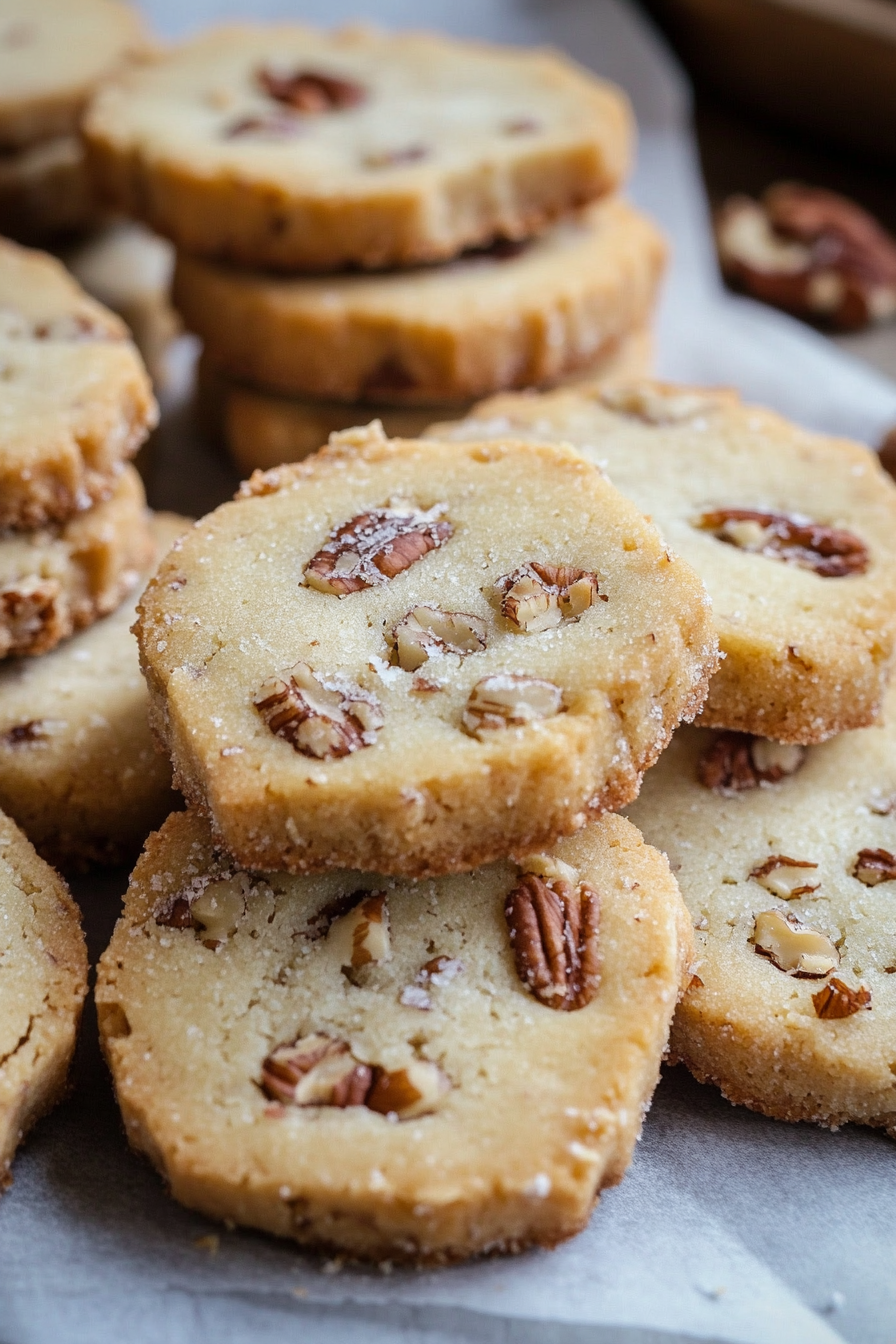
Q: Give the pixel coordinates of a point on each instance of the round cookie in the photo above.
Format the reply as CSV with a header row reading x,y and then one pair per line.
x,y
63,578
45,192
347,1059
785,858
511,316
52,54
416,660
79,770
75,399
43,981
297,148
793,533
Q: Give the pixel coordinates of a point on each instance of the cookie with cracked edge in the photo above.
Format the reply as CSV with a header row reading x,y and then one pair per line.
x,y
296,148
793,532
417,658
43,981
338,1054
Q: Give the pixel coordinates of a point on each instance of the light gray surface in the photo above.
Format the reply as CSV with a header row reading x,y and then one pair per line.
x,y
728,1227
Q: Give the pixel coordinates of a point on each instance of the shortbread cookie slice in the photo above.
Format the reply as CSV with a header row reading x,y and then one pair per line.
x,y
52,55
43,980
44,191
513,315
75,399
415,659
63,578
337,1059
79,770
786,858
793,533
297,148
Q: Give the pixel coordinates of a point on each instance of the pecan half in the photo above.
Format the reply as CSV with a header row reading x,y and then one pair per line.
x,y
875,865
427,632
361,936
317,717
374,547
737,761
508,700
319,1070
785,877
661,403
554,936
310,90
831,552
796,948
837,999
538,596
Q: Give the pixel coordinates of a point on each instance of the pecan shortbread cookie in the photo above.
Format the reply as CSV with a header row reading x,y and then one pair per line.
x,y
79,770
510,316
296,148
793,533
43,980
416,658
786,858
62,578
75,399
334,1058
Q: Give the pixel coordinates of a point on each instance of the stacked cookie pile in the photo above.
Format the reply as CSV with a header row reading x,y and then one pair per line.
x,y
380,226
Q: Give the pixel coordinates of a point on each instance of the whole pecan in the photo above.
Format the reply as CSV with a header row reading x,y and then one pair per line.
x,y
310,90
554,936
374,547
837,999
831,552
736,761
875,865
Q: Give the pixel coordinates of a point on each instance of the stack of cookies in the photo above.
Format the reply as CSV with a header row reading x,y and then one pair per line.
x,y
380,226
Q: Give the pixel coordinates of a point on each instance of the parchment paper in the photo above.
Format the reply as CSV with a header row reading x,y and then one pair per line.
x,y
728,1227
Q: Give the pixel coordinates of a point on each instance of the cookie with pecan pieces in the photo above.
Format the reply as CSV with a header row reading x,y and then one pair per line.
x,y
296,148
794,534
344,1049
786,858
415,659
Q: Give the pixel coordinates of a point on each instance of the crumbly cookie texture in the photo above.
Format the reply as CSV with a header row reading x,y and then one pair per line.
x,y
301,149
61,579
416,659
334,1058
79,770
510,316
785,858
43,980
262,430
75,399
52,54
45,192
793,533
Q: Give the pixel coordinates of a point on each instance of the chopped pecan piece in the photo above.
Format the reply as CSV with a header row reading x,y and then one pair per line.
x,y
30,616
661,403
415,1090
317,717
539,596
34,732
785,877
214,909
521,126
361,936
319,1070
427,632
311,91
837,999
831,552
794,947
176,914
374,547
875,865
268,126
439,971
395,158
737,761
508,700
554,936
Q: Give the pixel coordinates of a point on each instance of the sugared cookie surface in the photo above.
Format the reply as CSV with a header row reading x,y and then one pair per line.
x,y
397,1070
416,659
793,533
297,148
43,980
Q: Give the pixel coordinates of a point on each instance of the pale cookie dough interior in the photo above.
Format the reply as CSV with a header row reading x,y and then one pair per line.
x,y
212,974
805,655
43,980
439,718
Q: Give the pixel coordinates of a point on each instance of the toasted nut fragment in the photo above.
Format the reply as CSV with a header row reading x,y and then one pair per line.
x,y
554,936
321,718
395,158
830,552
793,946
374,547
548,867
875,865
36,732
427,632
270,126
657,404
539,596
175,914
31,621
506,700
736,761
415,1090
837,999
361,937
316,1070
218,910
311,91
439,971
785,877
